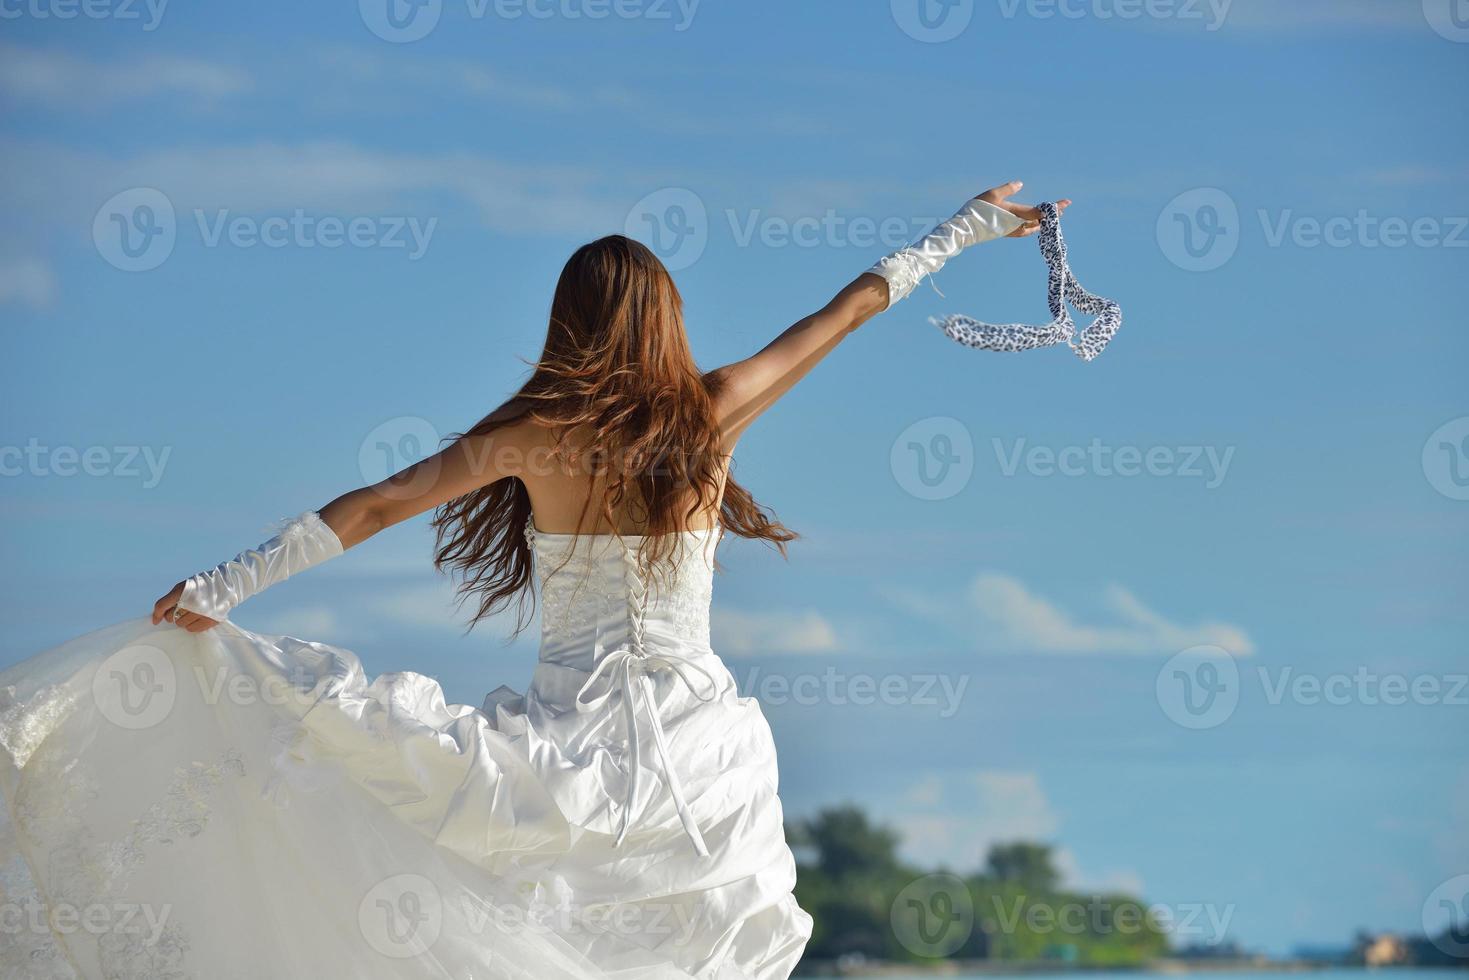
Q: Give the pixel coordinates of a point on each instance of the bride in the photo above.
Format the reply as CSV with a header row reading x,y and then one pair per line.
x,y
185,798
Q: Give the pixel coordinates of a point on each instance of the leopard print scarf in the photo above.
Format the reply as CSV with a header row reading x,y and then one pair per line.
x,y
1062,287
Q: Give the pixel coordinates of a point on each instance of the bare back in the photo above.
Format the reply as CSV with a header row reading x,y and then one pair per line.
x,y
560,489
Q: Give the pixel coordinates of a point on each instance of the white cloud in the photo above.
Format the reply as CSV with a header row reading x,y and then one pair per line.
x,y
422,607
952,820
738,633
62,80
27,282
1010,616
400,82
1124,881
436,78
303,622
57,184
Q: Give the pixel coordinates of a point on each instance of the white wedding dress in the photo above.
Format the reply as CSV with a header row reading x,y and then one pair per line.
x,y
228,805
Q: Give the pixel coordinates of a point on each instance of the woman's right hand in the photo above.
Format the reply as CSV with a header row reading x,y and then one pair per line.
x,y
167,608
999,197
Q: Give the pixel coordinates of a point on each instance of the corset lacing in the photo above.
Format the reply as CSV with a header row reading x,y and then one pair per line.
x,y
628,669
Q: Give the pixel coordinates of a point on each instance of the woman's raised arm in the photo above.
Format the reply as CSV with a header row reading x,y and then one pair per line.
x,y
747,388
471,462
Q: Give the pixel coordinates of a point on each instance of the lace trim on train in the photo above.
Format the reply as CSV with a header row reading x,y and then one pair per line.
x,y
83,872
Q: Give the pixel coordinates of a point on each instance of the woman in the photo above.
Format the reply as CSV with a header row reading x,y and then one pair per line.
x,y
189,799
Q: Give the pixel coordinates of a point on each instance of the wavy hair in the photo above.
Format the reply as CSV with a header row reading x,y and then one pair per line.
x,y
618,388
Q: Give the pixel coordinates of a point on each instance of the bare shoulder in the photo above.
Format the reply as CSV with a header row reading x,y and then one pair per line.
x,y
504,437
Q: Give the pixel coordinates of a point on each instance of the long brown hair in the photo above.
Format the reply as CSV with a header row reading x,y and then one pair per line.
x,y
618,389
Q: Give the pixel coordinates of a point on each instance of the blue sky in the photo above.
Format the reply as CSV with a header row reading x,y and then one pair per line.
x,y
1269,460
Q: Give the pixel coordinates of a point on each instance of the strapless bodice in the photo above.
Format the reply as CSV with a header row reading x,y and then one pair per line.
x,y
595,595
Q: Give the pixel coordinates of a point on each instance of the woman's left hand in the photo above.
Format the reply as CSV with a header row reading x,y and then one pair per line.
x,y
167,608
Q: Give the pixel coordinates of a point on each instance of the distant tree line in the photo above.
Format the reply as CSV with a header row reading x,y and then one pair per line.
x,y
867,903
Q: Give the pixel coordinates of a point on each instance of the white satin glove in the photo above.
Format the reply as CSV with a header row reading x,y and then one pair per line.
x,y
302,543
978,221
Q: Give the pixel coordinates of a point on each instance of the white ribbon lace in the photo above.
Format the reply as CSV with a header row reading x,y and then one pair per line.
x,y
627,670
